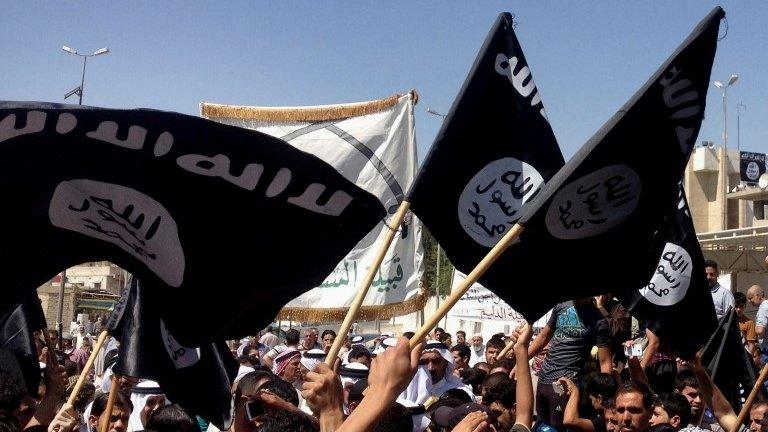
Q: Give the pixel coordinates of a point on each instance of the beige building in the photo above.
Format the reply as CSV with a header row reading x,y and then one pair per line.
x,y
90,288
730,217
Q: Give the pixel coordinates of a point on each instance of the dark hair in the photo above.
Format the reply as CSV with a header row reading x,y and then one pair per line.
x,y
292,337
503,393
506,363
444,337
84,397
474,378
282,389
457,394
739,298
495,342
100,403
284,421
603,385
610,403
463,350
171,418
439,330
408,334
327,331
686,378
661,427
396,419
8,422
675,404
480,365
495,379
711,263
359,351
246,386
71,368
636,387
462,332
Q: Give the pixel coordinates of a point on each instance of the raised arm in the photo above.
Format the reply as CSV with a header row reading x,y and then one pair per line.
x,y
713,397
541,341
571,418
524,386
391,371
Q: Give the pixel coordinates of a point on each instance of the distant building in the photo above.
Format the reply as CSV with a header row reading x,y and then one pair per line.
x,y
730,217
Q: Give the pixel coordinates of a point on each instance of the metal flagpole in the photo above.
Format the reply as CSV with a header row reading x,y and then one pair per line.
x,y
60,324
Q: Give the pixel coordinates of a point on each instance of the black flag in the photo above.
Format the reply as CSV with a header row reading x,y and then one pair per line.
x,y
17,328
492,155
728,362
220,220
591,229
677,287
197,378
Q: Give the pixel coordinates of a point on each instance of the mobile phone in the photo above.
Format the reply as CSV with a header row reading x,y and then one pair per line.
x,y
253,409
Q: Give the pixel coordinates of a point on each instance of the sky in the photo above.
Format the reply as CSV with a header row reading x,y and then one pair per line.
x,y
587,58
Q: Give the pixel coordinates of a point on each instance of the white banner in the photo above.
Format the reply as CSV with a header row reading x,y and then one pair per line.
x,y
480,304
377,151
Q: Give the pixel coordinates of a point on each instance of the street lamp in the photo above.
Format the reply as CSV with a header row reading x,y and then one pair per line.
x,y
79,90
435,113
732,80
723,160
739,107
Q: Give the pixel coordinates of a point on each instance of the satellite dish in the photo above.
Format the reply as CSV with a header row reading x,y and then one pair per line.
x,y
763,181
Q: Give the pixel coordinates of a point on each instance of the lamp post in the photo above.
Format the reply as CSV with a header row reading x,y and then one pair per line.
x,y
723,160
439,252
739,107
732,80
79,90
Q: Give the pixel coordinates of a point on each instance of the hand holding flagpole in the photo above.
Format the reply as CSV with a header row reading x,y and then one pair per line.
x,y
365,284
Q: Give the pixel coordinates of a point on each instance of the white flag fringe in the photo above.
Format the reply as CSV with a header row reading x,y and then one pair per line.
x,y
373,145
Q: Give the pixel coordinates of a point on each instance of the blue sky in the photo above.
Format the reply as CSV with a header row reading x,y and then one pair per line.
x,y
588,58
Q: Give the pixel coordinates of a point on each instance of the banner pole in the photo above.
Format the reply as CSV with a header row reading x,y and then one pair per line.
x,y
751,398
104,425
505,350
472,277
87,368
362,289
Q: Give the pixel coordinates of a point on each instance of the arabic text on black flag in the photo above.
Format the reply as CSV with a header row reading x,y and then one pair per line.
x,y
677,286
492,155
591,229
197,378
214,216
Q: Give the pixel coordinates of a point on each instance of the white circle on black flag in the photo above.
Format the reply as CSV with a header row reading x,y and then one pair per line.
x,y
672,277
491,202
753,171
594,203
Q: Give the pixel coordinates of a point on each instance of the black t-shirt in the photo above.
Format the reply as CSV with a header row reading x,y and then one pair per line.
x,y
576,329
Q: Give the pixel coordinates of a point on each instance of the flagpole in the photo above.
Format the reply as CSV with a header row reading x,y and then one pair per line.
x,y
472,277
506,349
751,398
362,289
87,368
107,414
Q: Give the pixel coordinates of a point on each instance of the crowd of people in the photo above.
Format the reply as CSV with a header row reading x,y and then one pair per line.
x,y
591,368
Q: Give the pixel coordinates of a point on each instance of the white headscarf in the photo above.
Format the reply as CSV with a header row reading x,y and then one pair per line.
x,y
139,395
310,359
449,381
386,343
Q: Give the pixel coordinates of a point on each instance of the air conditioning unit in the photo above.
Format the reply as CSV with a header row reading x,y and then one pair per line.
x,y
704,159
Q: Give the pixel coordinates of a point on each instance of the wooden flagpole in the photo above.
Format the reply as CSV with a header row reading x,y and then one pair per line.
x,y
472,277
87,368
362,289
505,350
106,416
751,398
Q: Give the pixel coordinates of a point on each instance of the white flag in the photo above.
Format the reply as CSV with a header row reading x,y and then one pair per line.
x,y
373,145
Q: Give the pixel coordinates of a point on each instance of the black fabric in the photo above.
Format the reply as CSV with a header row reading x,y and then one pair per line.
x,y
677,275
17,327
177,200
600,212
728,363
475,166
198,379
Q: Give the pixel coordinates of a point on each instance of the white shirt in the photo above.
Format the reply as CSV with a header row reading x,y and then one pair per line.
x,y
476,356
